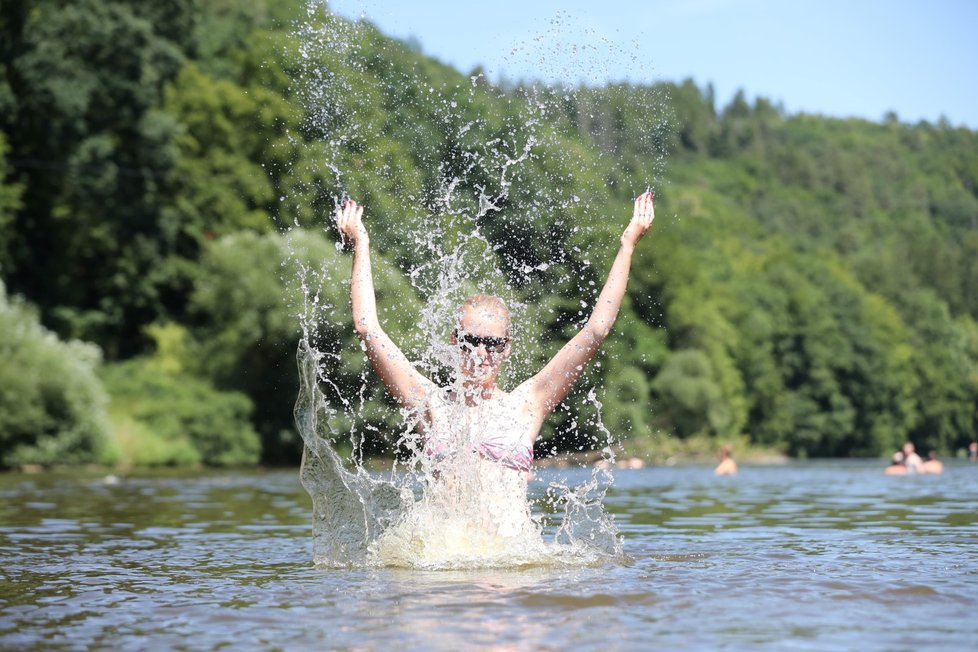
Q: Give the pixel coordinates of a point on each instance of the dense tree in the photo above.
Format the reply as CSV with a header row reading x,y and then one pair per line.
x,y
90,148
10,204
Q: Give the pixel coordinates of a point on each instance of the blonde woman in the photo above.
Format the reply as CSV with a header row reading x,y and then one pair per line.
x,y
474,423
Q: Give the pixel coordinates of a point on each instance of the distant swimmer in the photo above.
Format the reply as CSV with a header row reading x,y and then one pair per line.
x,y
932,465
896,466
911,460
727,465
631,463
973,451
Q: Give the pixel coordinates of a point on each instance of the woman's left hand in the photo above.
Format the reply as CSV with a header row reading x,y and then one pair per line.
x,y
349,222
642,218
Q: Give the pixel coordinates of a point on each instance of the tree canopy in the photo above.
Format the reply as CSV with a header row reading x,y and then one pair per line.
x,y
809,284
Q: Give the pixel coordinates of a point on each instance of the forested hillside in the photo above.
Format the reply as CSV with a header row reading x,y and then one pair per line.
x,y
810,285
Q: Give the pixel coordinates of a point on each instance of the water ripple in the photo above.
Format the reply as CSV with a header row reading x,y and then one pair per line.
x,y
816,556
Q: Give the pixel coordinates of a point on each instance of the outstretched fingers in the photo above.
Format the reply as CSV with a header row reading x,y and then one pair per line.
x,y
644,209
346,211
348,219
642,218
644,212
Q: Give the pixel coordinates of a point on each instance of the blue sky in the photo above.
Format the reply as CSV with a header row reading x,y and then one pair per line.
x,y
858,58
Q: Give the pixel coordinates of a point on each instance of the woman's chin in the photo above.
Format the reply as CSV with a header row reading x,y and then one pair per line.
x,y
478,372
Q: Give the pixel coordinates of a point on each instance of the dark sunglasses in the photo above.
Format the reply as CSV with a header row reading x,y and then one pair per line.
x,y
492,344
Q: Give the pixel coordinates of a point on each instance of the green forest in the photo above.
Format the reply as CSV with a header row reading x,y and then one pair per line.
x,y
810,285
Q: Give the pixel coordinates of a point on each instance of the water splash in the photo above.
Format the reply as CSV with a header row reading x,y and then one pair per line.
x,y
474,221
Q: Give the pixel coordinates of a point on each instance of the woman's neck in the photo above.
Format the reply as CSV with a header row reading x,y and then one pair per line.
x,y
475,392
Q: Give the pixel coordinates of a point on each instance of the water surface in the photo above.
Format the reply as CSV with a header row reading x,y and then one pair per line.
x,y
814,556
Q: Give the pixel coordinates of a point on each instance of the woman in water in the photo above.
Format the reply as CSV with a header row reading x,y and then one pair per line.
x,y
478,438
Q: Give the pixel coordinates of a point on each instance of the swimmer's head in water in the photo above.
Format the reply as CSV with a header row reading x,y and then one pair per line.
x,y
483,335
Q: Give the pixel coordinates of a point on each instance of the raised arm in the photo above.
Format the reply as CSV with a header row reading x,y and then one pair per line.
x,y
400,377
551,385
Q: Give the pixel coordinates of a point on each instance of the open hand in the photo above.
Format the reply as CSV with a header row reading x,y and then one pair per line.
x,y
349,222
642,218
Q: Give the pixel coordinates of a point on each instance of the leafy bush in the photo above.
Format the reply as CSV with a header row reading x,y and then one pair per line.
x,y
52,405
171,418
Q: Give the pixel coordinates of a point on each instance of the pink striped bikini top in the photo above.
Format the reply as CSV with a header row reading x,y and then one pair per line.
x,y
518,457
493,428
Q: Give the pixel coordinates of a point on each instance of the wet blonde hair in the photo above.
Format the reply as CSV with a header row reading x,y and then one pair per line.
x,y
489,303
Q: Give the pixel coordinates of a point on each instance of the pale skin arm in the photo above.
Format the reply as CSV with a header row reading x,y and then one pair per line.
x,y
551,385
402,380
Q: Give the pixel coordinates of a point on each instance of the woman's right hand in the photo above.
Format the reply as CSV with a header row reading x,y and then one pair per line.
x,y
350,224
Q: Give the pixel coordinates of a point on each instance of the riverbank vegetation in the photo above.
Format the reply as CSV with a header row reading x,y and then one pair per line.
x,y
811,285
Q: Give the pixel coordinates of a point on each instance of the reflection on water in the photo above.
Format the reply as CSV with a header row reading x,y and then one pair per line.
x,y
814,556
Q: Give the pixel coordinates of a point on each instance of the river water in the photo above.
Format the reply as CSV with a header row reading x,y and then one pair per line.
x,y
806,556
